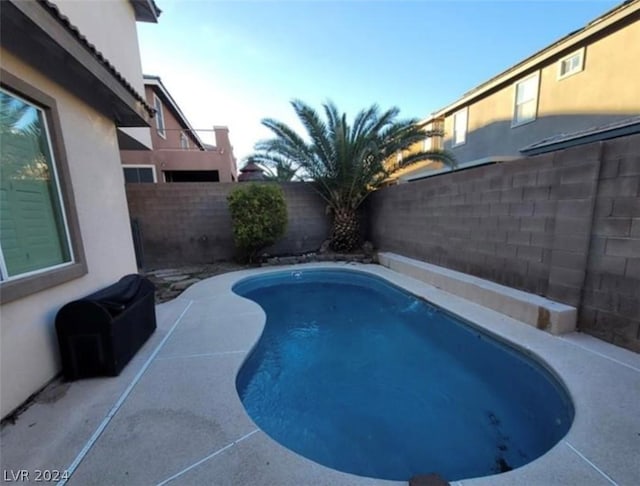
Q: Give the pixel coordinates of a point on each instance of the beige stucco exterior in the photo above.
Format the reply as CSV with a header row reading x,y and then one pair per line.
x,y
110,27
29,351
606,90
94,23
608,85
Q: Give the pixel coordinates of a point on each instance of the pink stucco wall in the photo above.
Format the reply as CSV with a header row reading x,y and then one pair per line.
x,y
180,160
167,154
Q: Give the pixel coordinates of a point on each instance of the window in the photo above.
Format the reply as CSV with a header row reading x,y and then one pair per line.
x,y
434,140
34,235
571,64
184,141
191,176
526,100
460,127
157,104
137,174
40,242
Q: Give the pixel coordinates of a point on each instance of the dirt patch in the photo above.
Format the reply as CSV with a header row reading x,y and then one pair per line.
x,y
171,282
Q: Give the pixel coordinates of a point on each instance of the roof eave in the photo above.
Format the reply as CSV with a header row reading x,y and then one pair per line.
x,y
37,32
146,10
582,139
156,82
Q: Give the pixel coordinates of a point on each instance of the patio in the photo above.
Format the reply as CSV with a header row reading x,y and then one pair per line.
x,y
173,415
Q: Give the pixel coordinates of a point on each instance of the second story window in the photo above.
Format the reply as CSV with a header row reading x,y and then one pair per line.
x,y
157,104
460,127
184,141
571,64
433,141
526,100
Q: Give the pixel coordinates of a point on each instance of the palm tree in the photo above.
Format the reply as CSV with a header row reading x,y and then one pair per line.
x,y
281,172
346,162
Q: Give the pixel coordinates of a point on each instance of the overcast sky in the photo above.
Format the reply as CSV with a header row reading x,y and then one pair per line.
x,y
235,62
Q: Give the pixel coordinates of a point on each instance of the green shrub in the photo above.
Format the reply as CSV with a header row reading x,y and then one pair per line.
x,y
259,217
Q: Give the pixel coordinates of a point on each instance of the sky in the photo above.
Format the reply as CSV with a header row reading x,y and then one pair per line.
x,y
236,62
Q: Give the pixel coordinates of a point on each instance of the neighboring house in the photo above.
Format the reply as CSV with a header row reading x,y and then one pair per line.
x,y
71,97
583,82
251,172
178,153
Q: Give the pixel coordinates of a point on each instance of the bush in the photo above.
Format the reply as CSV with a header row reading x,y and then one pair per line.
x,y
258,216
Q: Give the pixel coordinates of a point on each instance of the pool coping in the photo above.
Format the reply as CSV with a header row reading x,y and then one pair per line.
x,y
538,344
207,333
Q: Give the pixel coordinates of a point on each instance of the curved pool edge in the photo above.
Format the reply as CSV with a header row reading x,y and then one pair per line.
x,y
519,347
583,373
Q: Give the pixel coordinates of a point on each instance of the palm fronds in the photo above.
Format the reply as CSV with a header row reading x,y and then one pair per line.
x,y
346,162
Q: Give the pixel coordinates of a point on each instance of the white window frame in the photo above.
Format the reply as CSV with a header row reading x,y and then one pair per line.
x,y
434,142
514,121
184,141
463,112
157,104
580,68
4,273
141,166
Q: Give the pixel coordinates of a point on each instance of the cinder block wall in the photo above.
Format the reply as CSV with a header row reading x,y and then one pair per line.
x,y
564,225
610,306
190,222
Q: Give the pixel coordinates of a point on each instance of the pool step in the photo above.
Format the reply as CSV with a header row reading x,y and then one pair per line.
x,y
532,309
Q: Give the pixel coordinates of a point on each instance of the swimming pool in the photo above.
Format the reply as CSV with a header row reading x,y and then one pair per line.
x,y
361,376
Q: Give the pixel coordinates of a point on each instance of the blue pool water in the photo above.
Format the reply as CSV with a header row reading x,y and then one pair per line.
x,y
361,376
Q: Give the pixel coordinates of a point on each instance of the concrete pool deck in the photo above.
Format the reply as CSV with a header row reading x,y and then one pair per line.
x,y
173,416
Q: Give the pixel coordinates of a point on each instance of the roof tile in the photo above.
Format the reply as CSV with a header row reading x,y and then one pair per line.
x,y
64,20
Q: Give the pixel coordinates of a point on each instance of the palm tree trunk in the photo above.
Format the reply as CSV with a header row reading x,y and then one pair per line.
x,y
345,234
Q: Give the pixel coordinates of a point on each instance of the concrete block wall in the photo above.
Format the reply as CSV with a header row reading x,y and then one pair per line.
x,y
190,222
563,225
610,306
308,223
524,224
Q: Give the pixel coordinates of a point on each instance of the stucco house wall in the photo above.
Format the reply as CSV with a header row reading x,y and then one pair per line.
x,y
173,127
93,22
168,155
98,24
603,92
29,350
169,160
87,158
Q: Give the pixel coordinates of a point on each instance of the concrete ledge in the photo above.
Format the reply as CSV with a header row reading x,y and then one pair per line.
x,y
537,311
